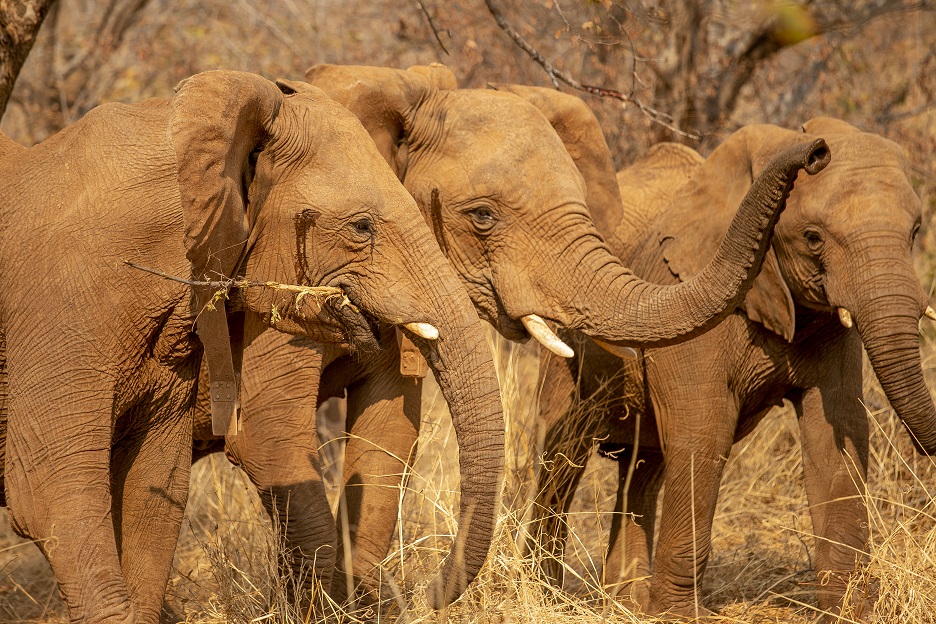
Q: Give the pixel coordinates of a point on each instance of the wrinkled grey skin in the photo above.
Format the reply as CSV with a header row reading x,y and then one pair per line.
x,y
99,361
844,241
503,178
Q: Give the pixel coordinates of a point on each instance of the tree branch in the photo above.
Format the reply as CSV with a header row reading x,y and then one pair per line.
x,y
556,76
435,31
20,21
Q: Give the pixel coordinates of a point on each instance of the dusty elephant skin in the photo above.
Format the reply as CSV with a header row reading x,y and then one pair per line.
x,y
839,277
523,245
98,361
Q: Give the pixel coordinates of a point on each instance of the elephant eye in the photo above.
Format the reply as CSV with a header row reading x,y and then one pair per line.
x,y
814,240
483,218
363,228
913,235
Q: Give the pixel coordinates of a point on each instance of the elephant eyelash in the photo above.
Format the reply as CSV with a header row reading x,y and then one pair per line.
x,y
814,240
482,217
363,226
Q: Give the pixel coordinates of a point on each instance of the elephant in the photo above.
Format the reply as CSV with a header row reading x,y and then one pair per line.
x,y
838,277
268,196
504,181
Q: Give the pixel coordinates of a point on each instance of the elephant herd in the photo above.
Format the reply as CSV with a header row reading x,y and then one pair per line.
x,y
222,261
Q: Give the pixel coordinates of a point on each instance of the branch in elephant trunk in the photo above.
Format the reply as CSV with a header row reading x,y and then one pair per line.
x,y
224,284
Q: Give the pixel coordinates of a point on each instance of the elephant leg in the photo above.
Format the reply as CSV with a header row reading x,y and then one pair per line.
x,y
278,448
834,431
58,484
697,422
150,465
630,545
383,425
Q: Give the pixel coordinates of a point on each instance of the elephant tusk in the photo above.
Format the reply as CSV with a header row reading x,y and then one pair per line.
x,y
423,330
845,317
545,336
622,352
930,313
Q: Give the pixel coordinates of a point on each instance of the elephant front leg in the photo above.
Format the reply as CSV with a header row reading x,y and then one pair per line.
x,y
691,479
630,545
150,466
383,426
58,489
278,448
834,428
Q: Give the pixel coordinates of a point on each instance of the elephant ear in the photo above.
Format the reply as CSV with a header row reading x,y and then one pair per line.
x,y
382,99
577,126
440,75
829,125
217,120
693,229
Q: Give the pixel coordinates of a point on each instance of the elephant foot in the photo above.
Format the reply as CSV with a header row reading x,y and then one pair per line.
x,y
634,595
684,612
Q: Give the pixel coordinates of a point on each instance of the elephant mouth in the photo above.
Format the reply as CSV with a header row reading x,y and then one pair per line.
x,y
358,328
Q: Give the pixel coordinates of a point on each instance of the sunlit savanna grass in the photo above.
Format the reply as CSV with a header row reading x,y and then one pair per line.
x,y
226,571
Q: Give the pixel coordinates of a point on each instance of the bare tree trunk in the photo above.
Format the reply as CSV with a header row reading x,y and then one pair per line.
x,y
19,24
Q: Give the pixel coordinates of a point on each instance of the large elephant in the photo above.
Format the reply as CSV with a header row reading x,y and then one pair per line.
x,y
838,277
231,179
505,186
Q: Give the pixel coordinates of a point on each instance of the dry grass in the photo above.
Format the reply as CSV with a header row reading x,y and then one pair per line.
x,y
225,565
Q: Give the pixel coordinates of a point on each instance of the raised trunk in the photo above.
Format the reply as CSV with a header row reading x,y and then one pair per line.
x,y
888,320
619,307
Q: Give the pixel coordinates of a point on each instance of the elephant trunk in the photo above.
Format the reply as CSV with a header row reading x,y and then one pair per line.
x,y
887,318
619,307
461,361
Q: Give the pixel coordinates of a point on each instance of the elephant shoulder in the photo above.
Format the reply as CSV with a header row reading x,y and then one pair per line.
x,y
649,186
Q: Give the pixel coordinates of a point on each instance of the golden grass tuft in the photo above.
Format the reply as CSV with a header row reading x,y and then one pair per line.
x,y
226,560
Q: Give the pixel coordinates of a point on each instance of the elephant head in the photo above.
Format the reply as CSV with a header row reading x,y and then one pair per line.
x,y
507,198
843,247
283,185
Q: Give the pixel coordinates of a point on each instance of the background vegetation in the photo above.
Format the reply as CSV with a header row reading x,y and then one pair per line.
x,y
686,70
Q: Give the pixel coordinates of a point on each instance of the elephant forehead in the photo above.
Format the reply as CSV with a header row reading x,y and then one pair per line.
x,y
854,197
493,128
336,157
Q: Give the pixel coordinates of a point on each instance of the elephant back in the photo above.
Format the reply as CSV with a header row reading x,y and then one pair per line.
x,y
4,416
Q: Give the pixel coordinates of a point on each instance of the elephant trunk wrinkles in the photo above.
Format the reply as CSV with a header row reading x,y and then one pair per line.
x,y
462,363
888,320
624,309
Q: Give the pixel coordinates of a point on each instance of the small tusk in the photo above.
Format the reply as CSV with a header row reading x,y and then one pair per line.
x,y
423,330
930,313
845,317
622,352
545,336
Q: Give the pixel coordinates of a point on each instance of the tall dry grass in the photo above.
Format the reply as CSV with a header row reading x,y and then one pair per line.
x,y
226,568
760,570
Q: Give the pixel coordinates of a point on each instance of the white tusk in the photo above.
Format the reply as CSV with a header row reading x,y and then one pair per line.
x,y
622,352
423,330
845,317
545,336
930,313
